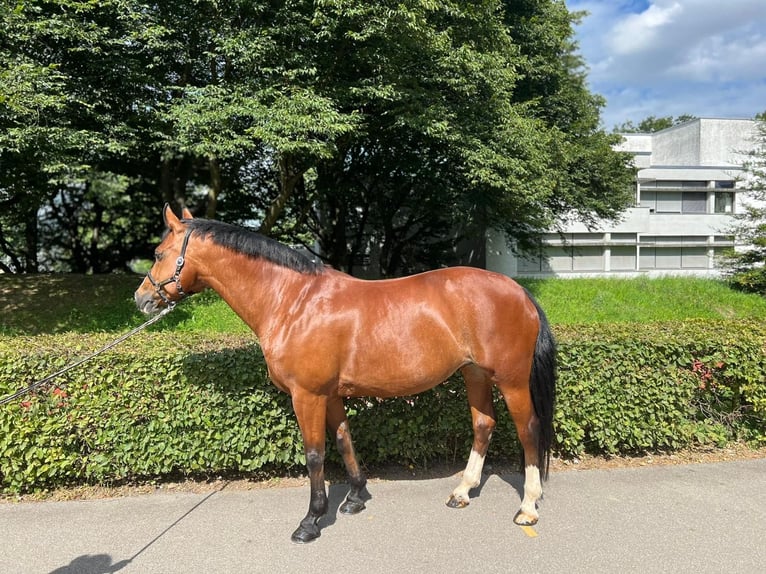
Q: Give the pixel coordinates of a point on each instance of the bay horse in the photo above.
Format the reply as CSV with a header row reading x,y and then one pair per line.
x,y
326,336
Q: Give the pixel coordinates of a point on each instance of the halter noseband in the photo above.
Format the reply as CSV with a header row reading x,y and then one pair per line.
x,y
159,286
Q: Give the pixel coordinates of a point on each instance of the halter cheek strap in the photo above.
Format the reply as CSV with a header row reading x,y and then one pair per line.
x,y
159,286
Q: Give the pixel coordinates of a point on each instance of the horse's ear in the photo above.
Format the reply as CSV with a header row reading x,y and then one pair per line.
x,y
172,222
186,214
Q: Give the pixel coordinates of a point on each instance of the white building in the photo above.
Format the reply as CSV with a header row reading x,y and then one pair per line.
x,y
686,193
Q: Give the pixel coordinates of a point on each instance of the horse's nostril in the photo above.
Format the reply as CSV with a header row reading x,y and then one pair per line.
x,y
145,303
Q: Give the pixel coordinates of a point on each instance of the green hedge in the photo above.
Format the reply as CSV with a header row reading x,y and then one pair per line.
x,y
175,404
635,388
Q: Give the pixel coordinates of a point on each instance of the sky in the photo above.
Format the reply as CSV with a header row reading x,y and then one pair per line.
x,y
705,58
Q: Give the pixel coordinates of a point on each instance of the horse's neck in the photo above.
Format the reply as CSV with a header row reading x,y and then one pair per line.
x,y
253,287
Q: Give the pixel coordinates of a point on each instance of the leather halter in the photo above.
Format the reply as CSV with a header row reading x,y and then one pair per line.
x,y
159,286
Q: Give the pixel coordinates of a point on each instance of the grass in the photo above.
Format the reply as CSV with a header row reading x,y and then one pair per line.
x,y
35,304
614,300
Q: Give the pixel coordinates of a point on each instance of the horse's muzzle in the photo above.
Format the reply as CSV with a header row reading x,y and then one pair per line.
x,y
146,302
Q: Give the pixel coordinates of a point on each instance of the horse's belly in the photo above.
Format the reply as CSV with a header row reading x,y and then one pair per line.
x,y
394,380
398,358
384,389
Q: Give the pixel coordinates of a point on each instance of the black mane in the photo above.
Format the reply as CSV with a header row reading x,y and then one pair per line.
x,y
254,245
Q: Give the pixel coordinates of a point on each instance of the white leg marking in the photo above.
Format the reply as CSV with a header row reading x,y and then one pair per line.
x,y
471,478
533,490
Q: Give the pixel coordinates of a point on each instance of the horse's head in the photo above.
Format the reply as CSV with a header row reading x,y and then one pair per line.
x,y
171,278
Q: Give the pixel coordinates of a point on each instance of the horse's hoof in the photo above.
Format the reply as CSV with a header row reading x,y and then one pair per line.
x,y
352,507
523,519
305,534
455,502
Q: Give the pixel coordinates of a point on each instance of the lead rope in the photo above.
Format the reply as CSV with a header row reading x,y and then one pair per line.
x,y
79,362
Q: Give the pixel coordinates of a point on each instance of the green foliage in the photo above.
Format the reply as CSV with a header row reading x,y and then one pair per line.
x,y
652,124
161,407
75,101
747,268
408,126
630,388
195,404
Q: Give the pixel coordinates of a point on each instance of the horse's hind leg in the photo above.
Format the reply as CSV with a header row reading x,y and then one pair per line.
x,y
527,424
483,418
337,423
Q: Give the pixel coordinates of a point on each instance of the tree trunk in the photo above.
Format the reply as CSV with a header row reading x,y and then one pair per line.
x,y
95,254
289,178
166,181
31,236
174,174
215,187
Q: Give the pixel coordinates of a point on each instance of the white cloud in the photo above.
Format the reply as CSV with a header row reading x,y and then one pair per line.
x,y
672,57
643,32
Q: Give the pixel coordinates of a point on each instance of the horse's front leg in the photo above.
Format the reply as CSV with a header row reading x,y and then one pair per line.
x,y
337,423
310,411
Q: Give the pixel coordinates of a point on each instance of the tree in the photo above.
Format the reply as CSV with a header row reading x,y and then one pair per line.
x,y
652,124
388,132
31,95
493,123
747,268
75,105
591,181
434,141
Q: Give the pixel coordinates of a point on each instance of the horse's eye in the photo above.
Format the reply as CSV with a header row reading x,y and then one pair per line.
x,y
158,256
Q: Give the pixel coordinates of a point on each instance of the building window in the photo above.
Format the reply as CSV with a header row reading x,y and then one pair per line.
x,y
668,257
677,201
565,258
625,238
694,258
660,258
673,240
669,202
661,183
673,184
623,258
694,202
557,259
649,199
724,184
719,253
724,201
588,259
676,257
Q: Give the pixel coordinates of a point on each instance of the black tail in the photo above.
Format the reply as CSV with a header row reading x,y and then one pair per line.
x,y
542,387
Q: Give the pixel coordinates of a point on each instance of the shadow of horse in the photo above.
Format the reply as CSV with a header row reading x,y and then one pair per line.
x,y
92,564
102,563
336,494
338,489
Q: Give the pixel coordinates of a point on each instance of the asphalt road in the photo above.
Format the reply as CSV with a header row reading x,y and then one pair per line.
x,y
689,518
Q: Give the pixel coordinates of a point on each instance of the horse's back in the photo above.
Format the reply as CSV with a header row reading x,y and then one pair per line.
x,y
470,293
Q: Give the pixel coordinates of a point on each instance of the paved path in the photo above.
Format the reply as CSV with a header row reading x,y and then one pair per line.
x,y
689,518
